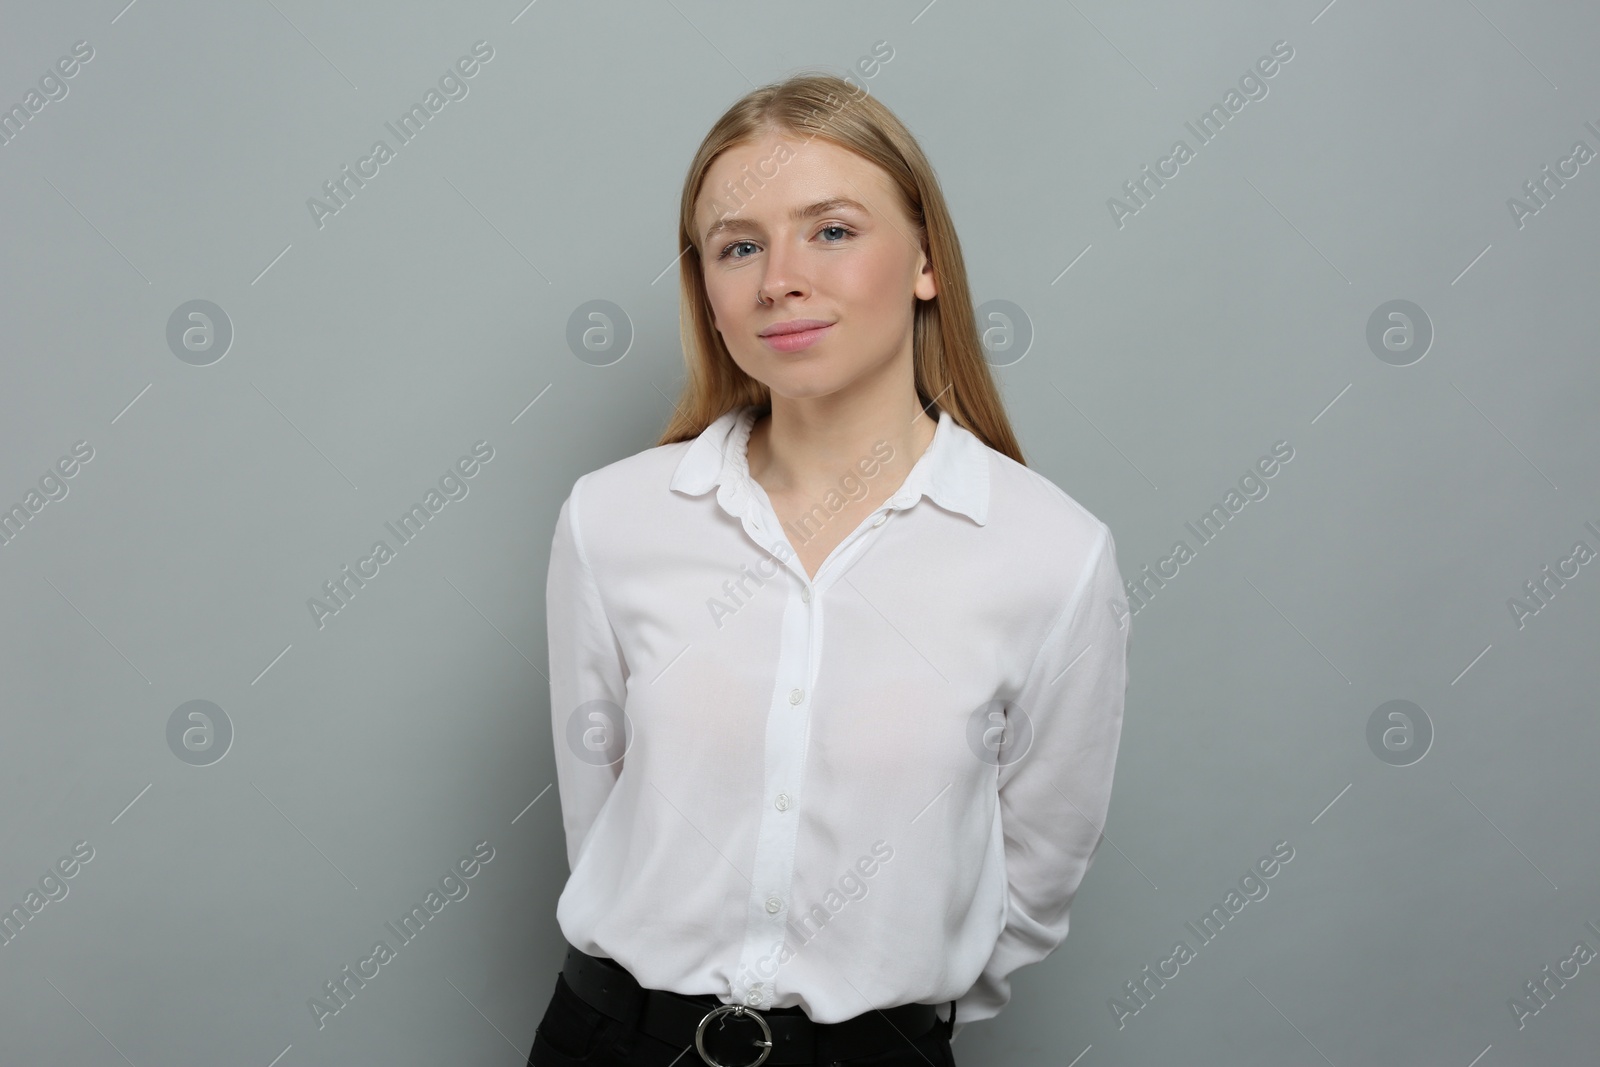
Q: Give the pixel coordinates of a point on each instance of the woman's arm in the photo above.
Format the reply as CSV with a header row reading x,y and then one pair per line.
x,y
1053,800
588,680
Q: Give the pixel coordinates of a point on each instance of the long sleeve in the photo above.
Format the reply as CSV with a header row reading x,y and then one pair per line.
x,y
588,680
1053,800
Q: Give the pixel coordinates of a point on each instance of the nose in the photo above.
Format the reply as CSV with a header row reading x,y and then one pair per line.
x,y
783,273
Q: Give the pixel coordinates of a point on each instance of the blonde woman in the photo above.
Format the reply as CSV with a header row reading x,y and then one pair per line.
x,y
836,679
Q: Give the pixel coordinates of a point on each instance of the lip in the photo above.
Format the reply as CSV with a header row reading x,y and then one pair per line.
x,y
794,326
795,334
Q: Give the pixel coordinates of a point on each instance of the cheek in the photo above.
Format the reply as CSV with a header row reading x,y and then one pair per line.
x,y
721,308
875,278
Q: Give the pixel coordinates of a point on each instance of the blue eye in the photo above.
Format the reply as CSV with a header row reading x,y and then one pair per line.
x,y
845,230
729,248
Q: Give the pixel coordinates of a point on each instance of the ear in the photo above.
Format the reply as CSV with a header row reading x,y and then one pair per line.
x,y
927,286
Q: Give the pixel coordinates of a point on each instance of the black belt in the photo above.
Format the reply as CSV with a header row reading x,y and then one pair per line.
x,y
730,1034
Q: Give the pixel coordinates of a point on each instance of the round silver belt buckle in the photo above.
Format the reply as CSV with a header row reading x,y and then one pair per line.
x,y
735,1010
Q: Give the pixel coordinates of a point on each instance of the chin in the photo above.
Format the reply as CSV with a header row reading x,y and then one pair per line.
x,y
793,378
804,390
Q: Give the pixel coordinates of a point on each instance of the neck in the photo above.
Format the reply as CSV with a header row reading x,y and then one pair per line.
x,y
806,447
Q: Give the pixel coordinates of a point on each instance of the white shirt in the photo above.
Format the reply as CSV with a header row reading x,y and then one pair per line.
x,y
786,791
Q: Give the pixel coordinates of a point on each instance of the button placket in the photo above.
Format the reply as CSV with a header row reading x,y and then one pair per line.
x,y
787,730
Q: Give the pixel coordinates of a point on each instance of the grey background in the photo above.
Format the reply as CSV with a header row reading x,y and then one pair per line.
x,y
368,355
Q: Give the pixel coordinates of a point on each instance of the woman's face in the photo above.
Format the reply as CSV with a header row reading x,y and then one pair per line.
x,y
820,234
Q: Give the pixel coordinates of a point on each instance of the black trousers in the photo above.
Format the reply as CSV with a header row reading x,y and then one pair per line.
x,y
573,1033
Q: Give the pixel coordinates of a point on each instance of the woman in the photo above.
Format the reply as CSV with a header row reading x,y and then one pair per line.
x,y
836,680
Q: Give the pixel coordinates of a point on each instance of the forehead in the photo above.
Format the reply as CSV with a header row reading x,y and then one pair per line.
x,y
762,179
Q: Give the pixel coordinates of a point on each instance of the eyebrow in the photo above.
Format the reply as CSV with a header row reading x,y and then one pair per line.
x,y
821,207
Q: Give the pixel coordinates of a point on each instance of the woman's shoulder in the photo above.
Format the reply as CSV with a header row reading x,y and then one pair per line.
x,y
1042,545
1028,505
610,505
630,477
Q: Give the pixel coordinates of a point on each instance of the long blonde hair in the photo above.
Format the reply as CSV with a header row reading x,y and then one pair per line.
x,y
947,356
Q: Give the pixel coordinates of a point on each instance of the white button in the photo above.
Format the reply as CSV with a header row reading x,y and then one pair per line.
x,y
782,802
881,519
774,905
795,696
805,594
754,996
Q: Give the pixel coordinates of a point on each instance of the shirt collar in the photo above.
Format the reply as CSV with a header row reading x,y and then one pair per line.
x,y
953,471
